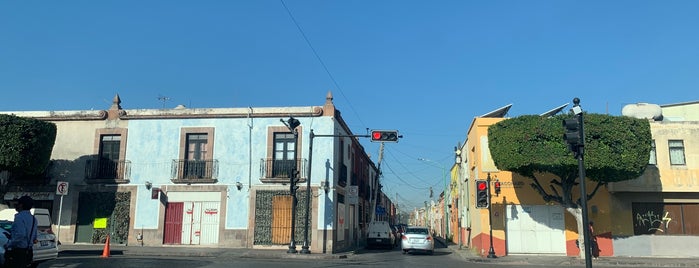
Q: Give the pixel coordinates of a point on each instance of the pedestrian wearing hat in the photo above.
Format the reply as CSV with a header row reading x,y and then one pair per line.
x,y
19,250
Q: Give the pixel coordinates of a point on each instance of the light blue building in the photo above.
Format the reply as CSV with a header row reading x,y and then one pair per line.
x,y
216,176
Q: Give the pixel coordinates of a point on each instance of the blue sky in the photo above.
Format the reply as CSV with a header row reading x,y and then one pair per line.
x,y
426,68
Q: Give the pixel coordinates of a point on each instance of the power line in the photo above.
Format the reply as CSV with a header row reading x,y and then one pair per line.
x,y
401,179
322,63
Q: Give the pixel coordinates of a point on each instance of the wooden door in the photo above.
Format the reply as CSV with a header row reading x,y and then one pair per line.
x,y
86,217
281,219
173,223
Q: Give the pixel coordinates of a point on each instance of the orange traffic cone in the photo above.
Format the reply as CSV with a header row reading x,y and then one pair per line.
x,y
105,252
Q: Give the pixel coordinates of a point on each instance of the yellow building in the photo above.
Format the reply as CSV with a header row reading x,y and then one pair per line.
x,y
521,221
654,215
657,213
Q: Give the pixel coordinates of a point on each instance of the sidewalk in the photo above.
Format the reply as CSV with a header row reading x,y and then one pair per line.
x,y
189,251
560,261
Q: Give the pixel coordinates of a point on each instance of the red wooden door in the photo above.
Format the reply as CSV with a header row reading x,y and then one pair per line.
x,y
173,223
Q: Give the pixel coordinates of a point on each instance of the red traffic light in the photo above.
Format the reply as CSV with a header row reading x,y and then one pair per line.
x,y
384,135
482,185
482,194
497,184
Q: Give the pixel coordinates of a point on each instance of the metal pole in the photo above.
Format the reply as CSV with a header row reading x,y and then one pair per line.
x,y
446,210
292,181
304,248
58,225
583,191
491,251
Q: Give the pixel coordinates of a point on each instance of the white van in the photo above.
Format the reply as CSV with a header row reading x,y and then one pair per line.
x,y
380,234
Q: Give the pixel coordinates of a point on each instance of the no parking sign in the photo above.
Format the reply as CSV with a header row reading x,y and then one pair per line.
x,y
62,188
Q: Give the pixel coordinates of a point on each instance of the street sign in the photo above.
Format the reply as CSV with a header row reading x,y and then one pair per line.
x,y
353,194
62,188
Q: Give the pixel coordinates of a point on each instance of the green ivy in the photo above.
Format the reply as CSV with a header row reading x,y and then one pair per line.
x,y
116,208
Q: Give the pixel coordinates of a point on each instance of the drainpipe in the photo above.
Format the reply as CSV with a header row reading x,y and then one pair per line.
x,y
249,148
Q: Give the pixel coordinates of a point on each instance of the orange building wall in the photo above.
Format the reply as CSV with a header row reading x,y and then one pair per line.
x,y
515,190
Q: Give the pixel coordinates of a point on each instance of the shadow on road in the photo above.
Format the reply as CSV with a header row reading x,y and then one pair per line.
x,y
88,252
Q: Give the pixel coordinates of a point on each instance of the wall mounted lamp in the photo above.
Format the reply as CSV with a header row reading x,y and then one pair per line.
x,y
239,185
149,185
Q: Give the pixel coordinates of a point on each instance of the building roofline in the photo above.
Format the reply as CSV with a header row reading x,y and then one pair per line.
x,y
679,104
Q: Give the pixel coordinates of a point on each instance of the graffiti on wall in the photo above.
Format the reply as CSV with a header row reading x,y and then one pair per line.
x,y
665,218
653,222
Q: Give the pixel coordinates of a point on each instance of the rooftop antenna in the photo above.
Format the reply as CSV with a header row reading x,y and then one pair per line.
x,y
163,99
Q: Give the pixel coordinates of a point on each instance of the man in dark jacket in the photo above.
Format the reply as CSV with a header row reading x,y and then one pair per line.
x,y
23,236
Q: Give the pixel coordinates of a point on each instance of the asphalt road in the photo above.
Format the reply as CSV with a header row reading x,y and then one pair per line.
x,y
442,258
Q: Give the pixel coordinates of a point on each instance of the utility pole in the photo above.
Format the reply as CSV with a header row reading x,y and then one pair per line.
x,y
376,184
575,137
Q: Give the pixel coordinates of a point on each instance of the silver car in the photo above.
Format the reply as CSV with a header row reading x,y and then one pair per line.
x,y
417,239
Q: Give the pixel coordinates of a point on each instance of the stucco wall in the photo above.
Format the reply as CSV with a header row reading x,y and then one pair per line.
x,y
656,246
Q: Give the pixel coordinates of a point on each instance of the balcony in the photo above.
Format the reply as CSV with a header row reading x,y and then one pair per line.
x,y
194,171
277,171
100,170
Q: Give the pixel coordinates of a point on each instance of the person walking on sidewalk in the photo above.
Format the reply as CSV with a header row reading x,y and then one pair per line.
x,y
594,248
19,250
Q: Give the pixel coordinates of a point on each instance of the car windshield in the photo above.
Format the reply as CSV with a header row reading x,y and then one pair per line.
x,y
416,231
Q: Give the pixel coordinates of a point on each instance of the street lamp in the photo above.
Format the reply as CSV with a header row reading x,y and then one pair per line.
x,y
444,178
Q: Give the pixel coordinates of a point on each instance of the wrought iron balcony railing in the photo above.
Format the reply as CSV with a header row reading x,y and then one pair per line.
x,y
101,169
273,170
194,171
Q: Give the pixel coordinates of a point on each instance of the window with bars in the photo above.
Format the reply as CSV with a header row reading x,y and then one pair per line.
x,y
108,161
195,160
283,157
676,148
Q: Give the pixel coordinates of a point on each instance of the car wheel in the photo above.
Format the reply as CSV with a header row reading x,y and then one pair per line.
x,y
405,251
431,252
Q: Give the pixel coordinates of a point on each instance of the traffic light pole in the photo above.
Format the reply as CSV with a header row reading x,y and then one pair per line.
x,y
306,244
294,200
583,192
293,124
491,251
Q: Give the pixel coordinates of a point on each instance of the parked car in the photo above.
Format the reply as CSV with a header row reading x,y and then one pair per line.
x,y
380,234
417,239
45,249
5,226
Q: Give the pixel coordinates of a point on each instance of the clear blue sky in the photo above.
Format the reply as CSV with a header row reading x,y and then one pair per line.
x,y
426,68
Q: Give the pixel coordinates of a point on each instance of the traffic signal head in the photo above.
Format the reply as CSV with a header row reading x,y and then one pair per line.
x,y
293,123
496,186
481,194
384,135
572,128
573,133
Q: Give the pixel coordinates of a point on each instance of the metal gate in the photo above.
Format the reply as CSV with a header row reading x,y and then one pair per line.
x,y
535,229
281,219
